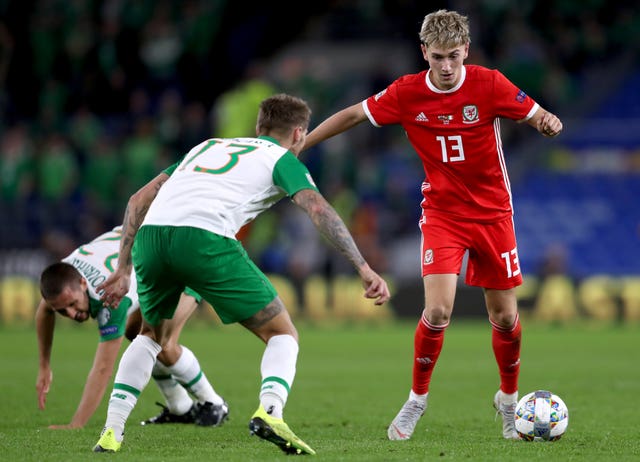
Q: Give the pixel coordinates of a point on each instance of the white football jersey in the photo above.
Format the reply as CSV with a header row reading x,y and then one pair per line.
x,y
97,259
224,183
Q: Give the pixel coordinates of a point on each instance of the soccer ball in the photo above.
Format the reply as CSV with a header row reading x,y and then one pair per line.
x,y
541,416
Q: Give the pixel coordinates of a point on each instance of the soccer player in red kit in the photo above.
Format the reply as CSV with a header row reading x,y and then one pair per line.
x,y
451,114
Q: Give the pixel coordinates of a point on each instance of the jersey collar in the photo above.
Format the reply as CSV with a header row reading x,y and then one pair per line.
x,y
269,138
433,88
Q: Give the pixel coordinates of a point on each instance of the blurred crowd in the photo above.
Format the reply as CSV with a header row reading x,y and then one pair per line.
x,y
96,97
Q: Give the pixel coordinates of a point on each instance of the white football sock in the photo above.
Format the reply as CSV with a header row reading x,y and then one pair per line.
x,y
134,372
278,369
176,397
187,371
422,399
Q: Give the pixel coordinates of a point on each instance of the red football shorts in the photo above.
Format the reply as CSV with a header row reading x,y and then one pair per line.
x,y
493,255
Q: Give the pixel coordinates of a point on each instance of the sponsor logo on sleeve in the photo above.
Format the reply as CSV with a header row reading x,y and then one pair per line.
x,y
380,94
104,316
108,330
310,180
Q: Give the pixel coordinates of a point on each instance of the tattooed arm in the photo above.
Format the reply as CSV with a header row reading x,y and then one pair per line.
x,y
331,226
117,285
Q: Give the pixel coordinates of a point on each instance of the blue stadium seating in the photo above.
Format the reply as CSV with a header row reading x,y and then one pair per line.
x,y
595,217
614,123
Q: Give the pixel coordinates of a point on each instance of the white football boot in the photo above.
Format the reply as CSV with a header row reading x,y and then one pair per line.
x,y
505,405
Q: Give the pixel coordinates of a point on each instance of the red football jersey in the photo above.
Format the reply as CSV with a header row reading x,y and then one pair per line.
x,y
456,133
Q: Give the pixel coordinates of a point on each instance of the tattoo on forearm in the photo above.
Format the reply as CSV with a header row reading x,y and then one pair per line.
x,y
126,240
330,225
133,218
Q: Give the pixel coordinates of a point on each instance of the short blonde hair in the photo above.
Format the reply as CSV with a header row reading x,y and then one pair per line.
x,y
445,29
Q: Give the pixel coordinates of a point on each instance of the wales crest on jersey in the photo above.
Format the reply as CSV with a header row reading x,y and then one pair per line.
x,y
470,114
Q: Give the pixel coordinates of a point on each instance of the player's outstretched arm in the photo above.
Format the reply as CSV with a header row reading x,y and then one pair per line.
x,y
331,226
117,285
96,384
45,323
337,123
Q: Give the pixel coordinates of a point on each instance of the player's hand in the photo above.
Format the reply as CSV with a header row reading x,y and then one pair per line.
x,y
70,426
549,125
374,286
43,383
115,288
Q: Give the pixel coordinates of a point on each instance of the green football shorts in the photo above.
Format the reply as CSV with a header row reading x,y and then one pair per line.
x,y
167,259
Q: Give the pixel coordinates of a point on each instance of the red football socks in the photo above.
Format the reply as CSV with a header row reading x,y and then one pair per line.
x,y
427,345
506,348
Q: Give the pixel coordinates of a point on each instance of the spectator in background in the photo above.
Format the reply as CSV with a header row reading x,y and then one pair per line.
x,y
141,154
234,112
194,126
160,47
17,186
58,170
16,165
102,179
84,128
169,118
58,205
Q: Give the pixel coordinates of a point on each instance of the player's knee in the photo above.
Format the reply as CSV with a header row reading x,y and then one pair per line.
x,y
437,315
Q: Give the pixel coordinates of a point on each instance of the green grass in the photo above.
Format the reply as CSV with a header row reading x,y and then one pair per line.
x,y
351,381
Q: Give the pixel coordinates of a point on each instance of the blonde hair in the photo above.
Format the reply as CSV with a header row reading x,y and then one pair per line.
x,y
445,29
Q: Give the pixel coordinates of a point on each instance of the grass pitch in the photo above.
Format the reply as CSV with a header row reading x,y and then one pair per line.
x,y
351,381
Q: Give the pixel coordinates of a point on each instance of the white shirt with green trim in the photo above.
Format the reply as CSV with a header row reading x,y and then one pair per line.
x,y
224,183
95,261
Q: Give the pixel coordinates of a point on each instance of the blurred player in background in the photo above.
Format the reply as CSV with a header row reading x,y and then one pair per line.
x,y
69,289
451,114
180,230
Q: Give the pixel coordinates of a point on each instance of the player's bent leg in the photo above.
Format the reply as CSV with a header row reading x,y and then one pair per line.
x,y
132,376
171,349
186,307
274,326
273,320
209,410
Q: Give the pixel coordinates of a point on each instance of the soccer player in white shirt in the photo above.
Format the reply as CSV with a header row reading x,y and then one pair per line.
x,y
180,231
69,289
